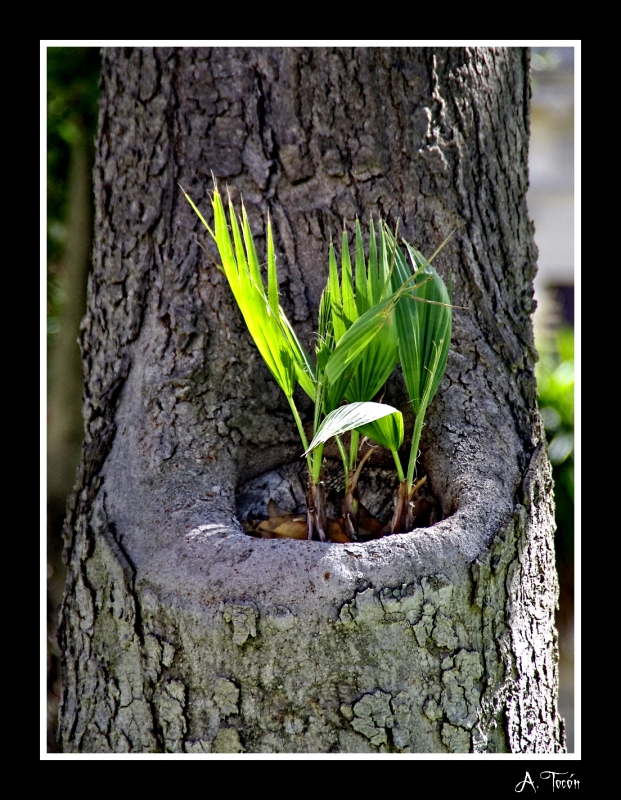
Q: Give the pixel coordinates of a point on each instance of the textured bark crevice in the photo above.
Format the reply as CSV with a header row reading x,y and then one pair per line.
x,y
179,632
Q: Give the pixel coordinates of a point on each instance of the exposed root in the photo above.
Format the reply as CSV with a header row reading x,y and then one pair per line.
x,y
356,524
317,520
404,516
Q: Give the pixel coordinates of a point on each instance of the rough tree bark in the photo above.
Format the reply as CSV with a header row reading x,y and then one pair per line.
x,y
179,632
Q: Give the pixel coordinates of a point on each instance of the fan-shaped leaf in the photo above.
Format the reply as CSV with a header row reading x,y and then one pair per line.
x,y
423,321
348,417
387,431
350,347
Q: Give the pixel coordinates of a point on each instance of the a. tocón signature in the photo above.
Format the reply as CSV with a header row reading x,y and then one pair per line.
x,y
559,781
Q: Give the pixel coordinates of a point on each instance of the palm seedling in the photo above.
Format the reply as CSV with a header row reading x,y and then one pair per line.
x,y
362,334
398,311
358,362
424,335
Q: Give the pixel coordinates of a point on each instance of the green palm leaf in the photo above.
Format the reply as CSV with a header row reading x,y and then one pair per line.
x,y
244,275
387,431
304,368
381,355
268,325
363,301
348,417
423,320
350,347
350,312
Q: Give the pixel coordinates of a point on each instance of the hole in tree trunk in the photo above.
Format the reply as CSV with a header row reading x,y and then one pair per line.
x,y
286,488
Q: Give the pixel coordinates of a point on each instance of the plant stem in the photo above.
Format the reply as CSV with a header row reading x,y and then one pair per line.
x,y
395,455
344,458
315,466
298,422
353,450
365,457
420,416
316,519
418,426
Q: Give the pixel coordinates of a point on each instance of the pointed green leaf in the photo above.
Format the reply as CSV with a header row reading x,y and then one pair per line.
x,y
385,253
253,259
304,367
325,331
350,347
272,278
350,311
373,281
336,301
241,268
423,327
363,302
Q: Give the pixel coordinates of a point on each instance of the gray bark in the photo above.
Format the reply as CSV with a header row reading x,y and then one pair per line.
x,y
179,632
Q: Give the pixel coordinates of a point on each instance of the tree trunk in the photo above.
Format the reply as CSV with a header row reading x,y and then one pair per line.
x,y
181,633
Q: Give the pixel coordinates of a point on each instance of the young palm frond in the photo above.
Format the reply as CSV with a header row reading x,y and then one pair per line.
x,y
354,415
416,308
369,362
267,323
424,323
381,355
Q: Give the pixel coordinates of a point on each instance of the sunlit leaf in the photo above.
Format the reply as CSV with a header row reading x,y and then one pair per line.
x,y
363,302
348,417
350,312
350,346
269,327
422,326
304,367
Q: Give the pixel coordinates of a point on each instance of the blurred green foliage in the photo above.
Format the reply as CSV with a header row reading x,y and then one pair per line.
x,y
72,108
555,379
